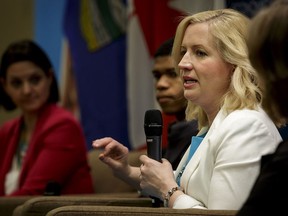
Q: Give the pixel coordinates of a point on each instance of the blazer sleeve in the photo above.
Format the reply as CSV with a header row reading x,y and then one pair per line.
x,y
57,152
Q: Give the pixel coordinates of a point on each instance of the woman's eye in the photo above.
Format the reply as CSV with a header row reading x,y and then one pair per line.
x,y
35,80
182,52
200,53
16,83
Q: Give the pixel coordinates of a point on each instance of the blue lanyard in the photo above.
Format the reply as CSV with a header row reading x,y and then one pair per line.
x,y
195,142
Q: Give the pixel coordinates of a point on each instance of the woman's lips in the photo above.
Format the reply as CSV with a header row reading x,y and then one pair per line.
x,y
189,82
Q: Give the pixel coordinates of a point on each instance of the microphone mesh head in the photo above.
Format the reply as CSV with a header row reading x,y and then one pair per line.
x,y
153,123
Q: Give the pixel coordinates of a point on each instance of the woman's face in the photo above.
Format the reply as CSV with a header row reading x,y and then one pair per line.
x,y
27,85
205,75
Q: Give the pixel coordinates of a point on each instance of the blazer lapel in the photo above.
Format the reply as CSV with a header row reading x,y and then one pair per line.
x,y
195,160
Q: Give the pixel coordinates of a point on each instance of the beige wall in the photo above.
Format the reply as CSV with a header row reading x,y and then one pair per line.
x,y
16,22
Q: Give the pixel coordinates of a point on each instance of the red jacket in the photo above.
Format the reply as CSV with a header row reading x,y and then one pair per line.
x,y
57,152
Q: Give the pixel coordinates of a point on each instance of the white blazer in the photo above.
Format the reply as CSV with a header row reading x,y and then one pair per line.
x,y
224,167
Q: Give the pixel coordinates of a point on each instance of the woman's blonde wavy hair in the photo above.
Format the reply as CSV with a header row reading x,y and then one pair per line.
x,y
229,29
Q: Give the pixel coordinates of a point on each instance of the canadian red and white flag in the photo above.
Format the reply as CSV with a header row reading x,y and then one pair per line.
x,y
150,23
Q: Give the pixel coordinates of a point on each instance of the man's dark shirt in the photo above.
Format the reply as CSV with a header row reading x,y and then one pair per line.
x,y
179,139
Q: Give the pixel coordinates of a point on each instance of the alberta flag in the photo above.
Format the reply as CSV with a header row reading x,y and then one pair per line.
x,y
111,44
96,35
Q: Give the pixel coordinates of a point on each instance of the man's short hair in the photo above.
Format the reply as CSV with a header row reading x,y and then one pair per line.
x,y
165,48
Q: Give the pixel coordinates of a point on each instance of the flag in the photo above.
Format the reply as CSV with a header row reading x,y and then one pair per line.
x,y
249,8
150,23
95,31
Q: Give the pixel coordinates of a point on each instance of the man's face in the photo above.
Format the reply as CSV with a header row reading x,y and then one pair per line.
x,y
168,85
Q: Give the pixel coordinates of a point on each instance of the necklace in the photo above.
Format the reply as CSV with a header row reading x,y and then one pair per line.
x,y
22,146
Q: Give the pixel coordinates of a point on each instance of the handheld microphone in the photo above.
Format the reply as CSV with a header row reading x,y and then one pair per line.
x,y
153,125
52,188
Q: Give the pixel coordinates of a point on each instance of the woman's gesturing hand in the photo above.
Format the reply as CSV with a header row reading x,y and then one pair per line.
x,y
114,154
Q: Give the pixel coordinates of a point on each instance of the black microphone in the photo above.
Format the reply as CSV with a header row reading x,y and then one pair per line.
x,y
52,188
153,125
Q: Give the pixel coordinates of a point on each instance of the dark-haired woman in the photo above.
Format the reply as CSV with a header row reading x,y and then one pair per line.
x,y
45,144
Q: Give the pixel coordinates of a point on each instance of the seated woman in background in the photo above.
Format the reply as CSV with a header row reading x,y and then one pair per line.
x,y
268,45
45,144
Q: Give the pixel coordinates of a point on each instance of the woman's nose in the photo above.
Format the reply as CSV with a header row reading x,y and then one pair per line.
x,y
185,62
26,88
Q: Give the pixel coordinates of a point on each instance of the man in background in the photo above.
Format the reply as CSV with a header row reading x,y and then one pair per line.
x,y
170,96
